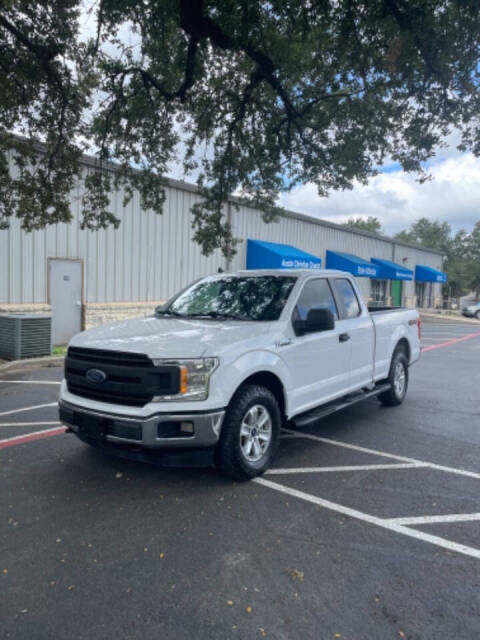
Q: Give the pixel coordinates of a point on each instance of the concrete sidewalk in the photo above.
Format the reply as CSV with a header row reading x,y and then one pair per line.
x,y
30,363
452,316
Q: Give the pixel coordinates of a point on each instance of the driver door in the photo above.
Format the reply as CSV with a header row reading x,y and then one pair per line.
x,y
318,361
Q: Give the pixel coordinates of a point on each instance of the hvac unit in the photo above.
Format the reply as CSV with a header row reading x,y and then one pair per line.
x,y
25,335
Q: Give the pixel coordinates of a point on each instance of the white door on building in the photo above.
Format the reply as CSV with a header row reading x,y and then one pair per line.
x,y
65,298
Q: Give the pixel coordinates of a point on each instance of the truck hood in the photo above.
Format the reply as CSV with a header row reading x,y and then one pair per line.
x,y
170,337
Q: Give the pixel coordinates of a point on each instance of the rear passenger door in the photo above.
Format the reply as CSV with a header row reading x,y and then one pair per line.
x,y
319,361
358,331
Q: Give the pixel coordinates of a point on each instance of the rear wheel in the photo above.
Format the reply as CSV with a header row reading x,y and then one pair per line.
x,y
398,380
477,315
250,433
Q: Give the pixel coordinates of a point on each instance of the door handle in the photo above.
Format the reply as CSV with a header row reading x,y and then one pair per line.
x,y
343,337
284,343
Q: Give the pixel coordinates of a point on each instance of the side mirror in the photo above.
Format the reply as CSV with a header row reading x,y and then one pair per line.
x,y
317,320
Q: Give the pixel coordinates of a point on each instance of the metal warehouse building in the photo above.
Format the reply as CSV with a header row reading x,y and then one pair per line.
x,y
87,277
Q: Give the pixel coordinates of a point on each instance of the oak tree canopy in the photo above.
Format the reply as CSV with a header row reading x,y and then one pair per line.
x,y
251,98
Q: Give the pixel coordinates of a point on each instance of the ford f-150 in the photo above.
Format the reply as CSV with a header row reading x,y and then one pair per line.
x,y
215,373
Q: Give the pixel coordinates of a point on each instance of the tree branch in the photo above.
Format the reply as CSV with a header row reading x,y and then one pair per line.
x,y
45,54
195,23
405,23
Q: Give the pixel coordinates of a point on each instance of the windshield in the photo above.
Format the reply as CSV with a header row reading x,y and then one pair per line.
x,y
240,298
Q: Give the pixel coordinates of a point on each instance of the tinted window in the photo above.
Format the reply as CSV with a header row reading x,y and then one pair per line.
x,y
316,294
347,294
244,298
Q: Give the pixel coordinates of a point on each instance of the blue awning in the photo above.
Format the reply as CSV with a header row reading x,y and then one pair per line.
x,y
388,270
427,274
351,263
270,255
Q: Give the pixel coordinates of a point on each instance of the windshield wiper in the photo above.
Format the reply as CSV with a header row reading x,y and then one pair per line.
x,y
218,315
169,312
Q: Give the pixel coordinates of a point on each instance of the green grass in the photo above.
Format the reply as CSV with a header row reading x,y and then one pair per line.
x,y
60,350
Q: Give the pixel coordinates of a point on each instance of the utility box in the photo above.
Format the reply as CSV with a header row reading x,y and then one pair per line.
x,y
25,335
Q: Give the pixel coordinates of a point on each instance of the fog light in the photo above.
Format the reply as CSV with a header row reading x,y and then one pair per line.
x,y
187,428
175,429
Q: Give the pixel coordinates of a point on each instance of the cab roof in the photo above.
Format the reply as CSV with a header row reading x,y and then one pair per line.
x,y
289,272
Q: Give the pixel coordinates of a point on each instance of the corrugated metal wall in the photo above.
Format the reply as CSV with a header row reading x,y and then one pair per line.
x,y
150,257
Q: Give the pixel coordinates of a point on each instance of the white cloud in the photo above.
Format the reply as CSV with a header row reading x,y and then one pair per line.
x,y
453,195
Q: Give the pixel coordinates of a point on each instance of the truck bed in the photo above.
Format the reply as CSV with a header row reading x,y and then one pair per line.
x,y
384,309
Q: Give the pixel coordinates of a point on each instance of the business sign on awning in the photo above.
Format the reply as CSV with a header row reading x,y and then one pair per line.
x,y
427,274
388,270
351,263
272,255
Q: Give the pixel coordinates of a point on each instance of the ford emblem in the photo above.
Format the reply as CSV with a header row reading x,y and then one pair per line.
x,y
96,376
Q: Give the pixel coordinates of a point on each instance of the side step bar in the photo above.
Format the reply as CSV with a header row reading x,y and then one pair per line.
x,y
337,405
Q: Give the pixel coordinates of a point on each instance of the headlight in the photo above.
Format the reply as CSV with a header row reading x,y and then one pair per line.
x,y
194,378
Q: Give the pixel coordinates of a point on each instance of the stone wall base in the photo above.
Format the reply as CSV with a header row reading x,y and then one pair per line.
x,y
98,313
94,313
30,307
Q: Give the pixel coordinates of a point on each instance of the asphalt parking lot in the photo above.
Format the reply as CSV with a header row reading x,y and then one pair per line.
x,y
367,527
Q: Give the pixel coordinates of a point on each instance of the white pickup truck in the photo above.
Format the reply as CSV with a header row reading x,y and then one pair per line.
x,y
213,375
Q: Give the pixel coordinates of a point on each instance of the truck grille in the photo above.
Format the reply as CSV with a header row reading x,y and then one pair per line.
x,y
130,378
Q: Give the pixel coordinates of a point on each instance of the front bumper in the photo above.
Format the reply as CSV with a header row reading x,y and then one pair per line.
x,y
144,432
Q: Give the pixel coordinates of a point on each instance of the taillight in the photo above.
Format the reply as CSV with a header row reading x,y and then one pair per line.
x,y
419,327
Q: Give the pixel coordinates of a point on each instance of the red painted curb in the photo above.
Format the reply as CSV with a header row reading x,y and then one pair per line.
x,y
36,435
452,341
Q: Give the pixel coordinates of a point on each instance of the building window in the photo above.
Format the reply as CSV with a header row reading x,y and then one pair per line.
x,y
378,292
420,293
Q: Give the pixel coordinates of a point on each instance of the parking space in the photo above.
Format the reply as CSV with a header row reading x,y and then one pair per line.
x,y
28,402
367,526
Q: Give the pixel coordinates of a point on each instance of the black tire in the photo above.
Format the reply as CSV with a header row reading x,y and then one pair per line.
x,y
229,455
393,397
477,315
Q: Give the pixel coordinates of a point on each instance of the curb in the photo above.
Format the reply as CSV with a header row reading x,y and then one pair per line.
x,y
32,363
453,318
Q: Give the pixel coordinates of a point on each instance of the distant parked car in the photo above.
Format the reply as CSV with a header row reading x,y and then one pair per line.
x,y
472,310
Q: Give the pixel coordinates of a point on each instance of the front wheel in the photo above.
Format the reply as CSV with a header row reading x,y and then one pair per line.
x,y
398,380
250,433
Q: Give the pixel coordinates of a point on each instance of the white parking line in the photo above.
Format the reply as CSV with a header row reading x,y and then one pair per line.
x,y
27,424
454,517
30,382
365,517
392,456
37,406
360,467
